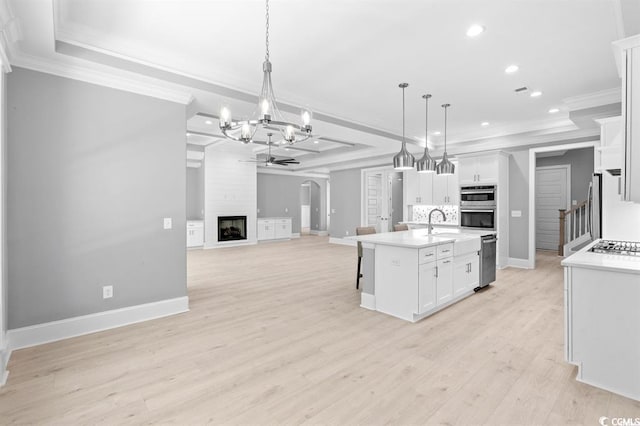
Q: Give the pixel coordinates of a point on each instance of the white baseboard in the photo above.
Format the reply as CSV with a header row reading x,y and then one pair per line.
x,y
368,301
319,233
4,361
39,334
295,235
224,244
334,240
518,263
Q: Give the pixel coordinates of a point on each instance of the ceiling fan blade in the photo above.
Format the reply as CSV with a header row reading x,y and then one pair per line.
x,y
285,163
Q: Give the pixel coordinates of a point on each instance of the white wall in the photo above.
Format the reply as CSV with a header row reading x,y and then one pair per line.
x,y
230,189
620,219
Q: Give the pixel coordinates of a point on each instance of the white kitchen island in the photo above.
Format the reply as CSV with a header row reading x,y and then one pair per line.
x,y
415,274
602,319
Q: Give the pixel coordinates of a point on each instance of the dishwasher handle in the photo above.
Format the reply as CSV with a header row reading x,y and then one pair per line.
x,y
492,240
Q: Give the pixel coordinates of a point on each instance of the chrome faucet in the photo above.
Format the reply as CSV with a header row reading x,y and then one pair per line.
x,y
444,217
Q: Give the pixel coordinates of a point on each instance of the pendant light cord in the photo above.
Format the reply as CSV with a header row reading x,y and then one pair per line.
x,y
267,33
426,123
403,141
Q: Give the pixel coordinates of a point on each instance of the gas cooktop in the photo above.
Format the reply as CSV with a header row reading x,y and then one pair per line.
x,y
627,248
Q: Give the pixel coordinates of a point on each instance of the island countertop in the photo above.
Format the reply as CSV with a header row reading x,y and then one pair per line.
x,y
415,238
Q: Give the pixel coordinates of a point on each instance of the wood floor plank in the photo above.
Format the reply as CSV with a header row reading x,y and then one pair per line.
x,y
275,335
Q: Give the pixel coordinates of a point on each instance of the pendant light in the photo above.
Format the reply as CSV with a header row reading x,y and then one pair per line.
x,y
403,160
426,164
445,167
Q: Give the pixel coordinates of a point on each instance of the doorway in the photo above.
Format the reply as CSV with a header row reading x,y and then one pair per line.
x,y
305,208
553,192
381,198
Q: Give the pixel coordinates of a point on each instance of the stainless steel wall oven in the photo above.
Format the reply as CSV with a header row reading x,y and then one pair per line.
x,y
478,205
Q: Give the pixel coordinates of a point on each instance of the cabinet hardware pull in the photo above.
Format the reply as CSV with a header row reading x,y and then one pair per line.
x,y
446,261
428,254
436,272
446,251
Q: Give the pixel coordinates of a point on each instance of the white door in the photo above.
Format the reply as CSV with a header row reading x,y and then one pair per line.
x,y
378,199
551,196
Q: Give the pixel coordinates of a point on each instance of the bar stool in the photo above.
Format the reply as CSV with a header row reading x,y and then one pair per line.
x,y
401,227
365,230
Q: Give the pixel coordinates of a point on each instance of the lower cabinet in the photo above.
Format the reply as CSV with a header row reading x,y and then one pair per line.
x,y
466,273
195,233
273,228
444,280
427,287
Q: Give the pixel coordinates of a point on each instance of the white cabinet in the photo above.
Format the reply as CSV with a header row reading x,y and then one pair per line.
x,y
418,187
195,233
478,169
274,228
629,67
444,281
610,153
446,190
466,273
427,287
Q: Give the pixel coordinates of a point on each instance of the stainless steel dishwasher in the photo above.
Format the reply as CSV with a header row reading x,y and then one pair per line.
x,y
487,260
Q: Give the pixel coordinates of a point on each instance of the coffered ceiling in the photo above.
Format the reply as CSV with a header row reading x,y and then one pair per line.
x,y
343,59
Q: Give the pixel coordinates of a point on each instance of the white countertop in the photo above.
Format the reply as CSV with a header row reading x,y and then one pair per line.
x,y
609,262
274,217
415,238
422,222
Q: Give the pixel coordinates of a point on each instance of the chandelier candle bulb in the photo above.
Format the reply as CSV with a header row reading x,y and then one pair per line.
x,y
245,133
289,134
225,117
306,117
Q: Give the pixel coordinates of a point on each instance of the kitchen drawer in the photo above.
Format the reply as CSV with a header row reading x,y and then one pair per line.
x,y
445,250
427,254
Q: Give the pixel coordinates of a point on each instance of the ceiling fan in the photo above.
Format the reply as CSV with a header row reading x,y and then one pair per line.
x,y
270,160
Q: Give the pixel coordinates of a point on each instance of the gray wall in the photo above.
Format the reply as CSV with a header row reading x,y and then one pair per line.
x,y
581,161
519,200
4,297
345,202
279,192
195,193
92,172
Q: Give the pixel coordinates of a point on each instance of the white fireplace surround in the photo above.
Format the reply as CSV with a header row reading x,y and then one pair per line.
x,y
230,189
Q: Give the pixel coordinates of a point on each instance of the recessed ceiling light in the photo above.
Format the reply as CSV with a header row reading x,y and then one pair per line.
x,y
188,134
475,30
535,94
286,149
208,122
553,110
484,123
511,69
437,133
315,141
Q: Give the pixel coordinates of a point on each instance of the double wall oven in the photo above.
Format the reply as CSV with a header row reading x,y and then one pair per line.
x,y
478,207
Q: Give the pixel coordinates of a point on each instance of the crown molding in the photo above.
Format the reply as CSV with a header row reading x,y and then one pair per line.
x,y
101,78
595,99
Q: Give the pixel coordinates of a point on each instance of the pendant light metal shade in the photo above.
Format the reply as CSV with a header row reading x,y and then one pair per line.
x,y
445,167
426,164
403,160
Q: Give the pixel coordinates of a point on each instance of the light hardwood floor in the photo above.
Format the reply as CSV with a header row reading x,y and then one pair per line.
x,y
275,336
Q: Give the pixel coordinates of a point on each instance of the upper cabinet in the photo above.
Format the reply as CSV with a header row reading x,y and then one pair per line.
x,y
478,169
446,190
628,53
610,153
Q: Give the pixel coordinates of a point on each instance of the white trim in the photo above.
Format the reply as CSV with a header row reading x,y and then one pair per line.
x,y
513,262
101,78
368,301
223,244
595,99
39,334
267,171
532,190
343,241
318,233
295,235
5,354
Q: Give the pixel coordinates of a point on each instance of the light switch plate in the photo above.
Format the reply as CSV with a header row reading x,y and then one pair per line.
x,y
168,223
286,210
516,213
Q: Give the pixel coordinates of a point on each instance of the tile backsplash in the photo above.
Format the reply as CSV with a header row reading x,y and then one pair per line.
x,y
420,213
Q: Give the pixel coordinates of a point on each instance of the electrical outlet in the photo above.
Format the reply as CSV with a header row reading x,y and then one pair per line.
x,y
333,211
168,223
286,210
107,292
346,232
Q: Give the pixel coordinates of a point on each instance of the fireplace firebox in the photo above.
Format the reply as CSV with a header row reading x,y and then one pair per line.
x,y
232,228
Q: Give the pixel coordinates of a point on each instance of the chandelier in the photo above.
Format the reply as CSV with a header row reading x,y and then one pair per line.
x,y
267,118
